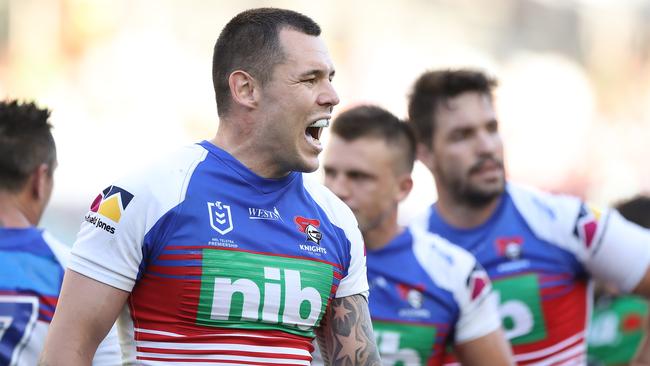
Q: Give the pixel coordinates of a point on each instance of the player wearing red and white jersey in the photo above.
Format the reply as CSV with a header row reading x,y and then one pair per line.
x,y
539,249
225,253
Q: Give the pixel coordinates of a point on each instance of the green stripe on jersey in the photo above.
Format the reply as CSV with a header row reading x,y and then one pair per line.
x,y
404,344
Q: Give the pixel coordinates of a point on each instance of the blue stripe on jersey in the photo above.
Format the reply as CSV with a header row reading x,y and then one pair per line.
x,y
17,271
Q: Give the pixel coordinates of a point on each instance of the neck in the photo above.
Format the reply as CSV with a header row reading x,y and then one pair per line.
x,y
240,141
382,233
462,215
14,213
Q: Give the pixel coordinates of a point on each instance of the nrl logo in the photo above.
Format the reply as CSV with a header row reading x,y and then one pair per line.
x,y
220,217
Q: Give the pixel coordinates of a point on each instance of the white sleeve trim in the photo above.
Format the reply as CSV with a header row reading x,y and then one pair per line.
x,y
356,280
622,256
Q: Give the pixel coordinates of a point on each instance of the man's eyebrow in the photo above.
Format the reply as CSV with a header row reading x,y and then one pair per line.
x,y
317,72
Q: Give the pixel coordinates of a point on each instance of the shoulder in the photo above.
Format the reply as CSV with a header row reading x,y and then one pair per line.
x,y
154,188
60,250
543,206
337,212
169,174
447,264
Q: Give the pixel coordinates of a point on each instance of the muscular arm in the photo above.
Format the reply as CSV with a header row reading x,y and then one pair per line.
x,y
84,314
345,336
491,349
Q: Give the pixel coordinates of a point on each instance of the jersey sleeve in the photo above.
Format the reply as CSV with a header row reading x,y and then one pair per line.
x,y
454,269
109,246
355,280
479,314
622,254
608,246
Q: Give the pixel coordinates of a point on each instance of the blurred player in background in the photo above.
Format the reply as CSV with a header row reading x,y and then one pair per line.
x,y
32,262
617,325
539,249
426,293
225,252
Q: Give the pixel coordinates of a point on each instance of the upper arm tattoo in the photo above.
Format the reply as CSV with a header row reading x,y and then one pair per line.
x,y
345,336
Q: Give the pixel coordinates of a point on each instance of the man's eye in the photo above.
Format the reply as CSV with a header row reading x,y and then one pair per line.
x,y
309,81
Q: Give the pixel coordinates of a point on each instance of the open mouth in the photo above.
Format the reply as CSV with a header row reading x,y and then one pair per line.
x,y
315,129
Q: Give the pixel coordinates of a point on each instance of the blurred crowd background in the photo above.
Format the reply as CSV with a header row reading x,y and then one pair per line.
x,y
128,80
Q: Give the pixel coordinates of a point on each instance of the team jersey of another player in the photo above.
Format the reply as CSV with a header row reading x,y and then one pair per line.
x,y
616,329
223,266
427,294
31,272
539,251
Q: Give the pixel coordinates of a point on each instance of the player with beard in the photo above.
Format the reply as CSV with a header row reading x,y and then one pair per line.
x,y
427,294
539,249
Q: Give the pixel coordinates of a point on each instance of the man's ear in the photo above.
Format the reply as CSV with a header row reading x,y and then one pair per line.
x,y
40,182
425,154
404,186
243,89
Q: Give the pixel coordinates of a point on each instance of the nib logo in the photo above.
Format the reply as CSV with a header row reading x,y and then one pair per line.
x,y
111,203
309,227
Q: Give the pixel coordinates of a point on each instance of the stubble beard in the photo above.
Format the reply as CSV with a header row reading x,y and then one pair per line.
x,y
465,193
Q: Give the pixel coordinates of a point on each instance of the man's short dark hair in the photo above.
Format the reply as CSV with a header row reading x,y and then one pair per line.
x,y
434,88
25,143
250,42
636,210
376,122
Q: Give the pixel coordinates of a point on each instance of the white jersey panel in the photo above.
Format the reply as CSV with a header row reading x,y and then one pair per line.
x,y
356,280
454,269
611,248
109,246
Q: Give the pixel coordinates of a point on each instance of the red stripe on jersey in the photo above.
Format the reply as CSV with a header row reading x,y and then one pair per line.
x,y
179,257
562,358
234,336
189,247
564,316
279,355
189,361
555,277
175,270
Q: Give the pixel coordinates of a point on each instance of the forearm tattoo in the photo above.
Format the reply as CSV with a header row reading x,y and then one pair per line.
x,y
345,336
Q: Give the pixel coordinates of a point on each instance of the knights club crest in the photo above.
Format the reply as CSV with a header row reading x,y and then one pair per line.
x,y
309,227
220,217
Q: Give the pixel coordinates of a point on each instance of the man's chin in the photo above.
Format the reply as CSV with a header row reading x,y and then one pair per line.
x,y
308,165
483,196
